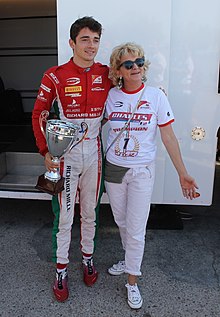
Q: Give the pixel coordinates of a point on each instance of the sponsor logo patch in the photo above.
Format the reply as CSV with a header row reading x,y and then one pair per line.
x,y
74,95
73,81
118,104
41,96
143,104
124,116
96,79
73,89
97,89
73,104
68,188
54,78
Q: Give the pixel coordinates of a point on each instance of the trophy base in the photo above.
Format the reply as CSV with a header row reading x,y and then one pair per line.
x,y
49,187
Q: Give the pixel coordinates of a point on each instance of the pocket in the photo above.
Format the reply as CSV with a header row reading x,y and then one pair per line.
x,y
151,170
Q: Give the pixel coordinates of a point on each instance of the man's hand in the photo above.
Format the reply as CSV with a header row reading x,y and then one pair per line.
x,y
50,165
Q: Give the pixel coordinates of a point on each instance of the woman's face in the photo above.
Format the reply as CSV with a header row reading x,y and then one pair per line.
x,y
132,73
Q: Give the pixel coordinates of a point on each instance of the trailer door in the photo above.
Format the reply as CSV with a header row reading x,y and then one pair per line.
x,y
193,93
146,22
181,40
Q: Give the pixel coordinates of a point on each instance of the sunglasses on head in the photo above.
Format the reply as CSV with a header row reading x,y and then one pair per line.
x,y
129,64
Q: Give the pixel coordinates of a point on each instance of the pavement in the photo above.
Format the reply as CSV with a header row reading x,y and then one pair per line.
x,y
181,268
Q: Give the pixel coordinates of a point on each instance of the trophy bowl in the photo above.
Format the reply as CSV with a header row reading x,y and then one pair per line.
x,y
61,136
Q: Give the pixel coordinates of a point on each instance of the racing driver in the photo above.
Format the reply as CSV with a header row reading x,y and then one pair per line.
x,y
80,88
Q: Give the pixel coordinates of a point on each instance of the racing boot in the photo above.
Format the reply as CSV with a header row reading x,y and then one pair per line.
x,y
90,274
60,288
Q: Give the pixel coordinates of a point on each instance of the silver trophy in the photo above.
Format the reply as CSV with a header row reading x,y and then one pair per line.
x,y
61,137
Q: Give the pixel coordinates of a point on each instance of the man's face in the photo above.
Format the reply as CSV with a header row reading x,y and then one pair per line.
x,y
85,48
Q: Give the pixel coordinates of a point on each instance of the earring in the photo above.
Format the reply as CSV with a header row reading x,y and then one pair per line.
x,y
120,83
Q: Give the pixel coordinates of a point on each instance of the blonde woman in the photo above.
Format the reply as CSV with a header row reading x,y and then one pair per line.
x,y
135,111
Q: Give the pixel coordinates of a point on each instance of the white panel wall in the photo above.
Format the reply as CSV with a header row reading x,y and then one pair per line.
x,y
193,91
181,39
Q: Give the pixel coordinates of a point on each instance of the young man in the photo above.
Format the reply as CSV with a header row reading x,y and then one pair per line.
x,y
80,88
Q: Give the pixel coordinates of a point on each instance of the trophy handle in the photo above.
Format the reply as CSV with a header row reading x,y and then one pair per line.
x,y
84,129
43,118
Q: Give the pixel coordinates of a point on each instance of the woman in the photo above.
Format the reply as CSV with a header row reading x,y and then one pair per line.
x,y
130,156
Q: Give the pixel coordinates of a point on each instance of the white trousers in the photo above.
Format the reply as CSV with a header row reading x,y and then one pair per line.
x,y
82,169
130,203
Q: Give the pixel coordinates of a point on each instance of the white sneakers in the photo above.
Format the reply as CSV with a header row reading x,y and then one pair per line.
x,y
135,300
117,269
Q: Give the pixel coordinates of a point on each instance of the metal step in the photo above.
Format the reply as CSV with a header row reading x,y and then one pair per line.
x,y
20,171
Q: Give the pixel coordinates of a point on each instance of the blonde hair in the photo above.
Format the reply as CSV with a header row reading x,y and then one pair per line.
x,y
121,50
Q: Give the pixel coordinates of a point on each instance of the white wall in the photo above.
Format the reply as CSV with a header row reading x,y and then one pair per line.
x,y
181,39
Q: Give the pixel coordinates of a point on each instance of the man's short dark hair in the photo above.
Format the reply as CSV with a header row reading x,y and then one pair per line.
x,y
85,22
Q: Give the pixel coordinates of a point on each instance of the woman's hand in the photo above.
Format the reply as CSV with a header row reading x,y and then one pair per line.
x,y
187,183
189,187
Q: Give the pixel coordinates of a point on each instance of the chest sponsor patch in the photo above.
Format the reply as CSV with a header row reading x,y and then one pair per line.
x,y
124,116
73,81
96,79
98,89
73,89
143,104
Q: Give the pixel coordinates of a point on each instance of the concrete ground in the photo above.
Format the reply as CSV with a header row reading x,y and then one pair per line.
x,y
181,268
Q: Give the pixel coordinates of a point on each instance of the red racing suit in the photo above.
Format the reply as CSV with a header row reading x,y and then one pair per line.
x,y
80,94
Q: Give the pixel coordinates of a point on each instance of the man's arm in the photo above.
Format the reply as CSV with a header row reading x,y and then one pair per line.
x,y
45,98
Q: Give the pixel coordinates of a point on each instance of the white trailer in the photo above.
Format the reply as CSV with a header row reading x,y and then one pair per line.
x,y
182,41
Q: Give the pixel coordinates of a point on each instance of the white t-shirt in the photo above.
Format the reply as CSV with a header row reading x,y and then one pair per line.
x,y
136,146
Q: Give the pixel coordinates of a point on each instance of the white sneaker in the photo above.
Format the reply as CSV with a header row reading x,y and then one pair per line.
x,y
117,269
134,297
